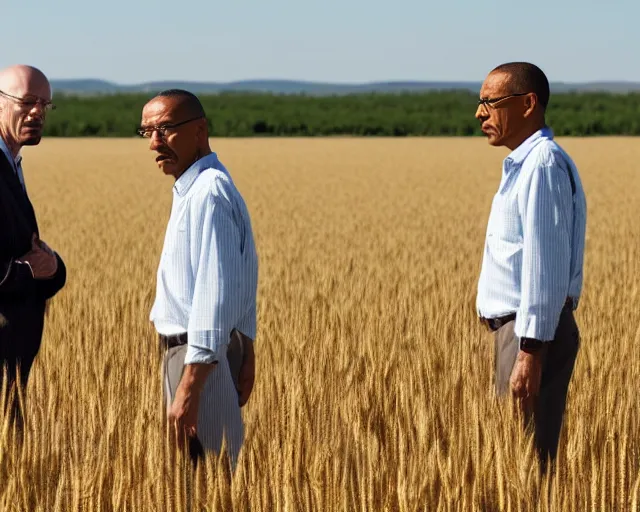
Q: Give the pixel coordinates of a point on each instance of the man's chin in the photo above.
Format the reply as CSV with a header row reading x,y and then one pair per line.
x,y
167,168
31,141
494,140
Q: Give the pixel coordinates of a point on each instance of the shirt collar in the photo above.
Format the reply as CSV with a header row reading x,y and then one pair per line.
x,y
184,182
5,149
518,155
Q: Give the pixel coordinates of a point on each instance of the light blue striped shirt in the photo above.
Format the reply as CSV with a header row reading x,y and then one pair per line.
x,y
534,247
208,272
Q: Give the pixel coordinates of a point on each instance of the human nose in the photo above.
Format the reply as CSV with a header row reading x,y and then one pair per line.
x,y
37,110
481,112
155,140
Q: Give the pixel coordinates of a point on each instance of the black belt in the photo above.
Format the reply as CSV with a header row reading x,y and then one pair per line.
x,y
174,340
493,324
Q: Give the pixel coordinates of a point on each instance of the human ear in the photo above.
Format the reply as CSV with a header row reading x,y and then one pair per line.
x,y
530,103
201,131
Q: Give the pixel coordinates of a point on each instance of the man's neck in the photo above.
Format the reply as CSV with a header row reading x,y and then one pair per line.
x,y
201,154
524,135
205,152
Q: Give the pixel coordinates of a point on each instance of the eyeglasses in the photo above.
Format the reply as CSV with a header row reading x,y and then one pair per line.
x,y
30,101
489,102
147,131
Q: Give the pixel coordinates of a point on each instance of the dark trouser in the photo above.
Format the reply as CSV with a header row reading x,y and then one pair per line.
x,y
556,374
14,371
21,326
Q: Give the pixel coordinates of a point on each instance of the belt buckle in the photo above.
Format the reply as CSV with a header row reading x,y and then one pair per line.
x,y
173,340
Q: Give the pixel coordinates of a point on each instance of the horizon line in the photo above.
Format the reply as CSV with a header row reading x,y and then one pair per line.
x,y
328,82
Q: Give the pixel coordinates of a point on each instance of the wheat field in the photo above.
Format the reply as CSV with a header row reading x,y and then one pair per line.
x,y
373,380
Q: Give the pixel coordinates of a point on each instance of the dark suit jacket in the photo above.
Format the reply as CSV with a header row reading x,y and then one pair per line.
x,y
22,298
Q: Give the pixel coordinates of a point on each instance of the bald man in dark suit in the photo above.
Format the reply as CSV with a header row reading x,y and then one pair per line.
x,y
30,272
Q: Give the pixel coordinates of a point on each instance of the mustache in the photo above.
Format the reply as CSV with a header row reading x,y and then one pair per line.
x,y
165,152
33,124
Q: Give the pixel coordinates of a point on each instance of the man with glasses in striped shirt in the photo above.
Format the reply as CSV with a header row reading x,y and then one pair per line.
x,y
531,276
205,304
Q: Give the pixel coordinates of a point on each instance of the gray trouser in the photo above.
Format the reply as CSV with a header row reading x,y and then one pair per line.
x,y
219,413
556,374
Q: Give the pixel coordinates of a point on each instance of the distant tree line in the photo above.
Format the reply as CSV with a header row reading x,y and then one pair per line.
x,y
430,113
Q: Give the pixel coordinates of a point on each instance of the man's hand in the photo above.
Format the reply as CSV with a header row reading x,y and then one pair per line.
x,y
41,259
526,377
247,374
183,413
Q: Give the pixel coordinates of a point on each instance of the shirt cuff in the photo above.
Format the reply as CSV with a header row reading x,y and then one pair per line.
x,y
532,326
199,355
212,340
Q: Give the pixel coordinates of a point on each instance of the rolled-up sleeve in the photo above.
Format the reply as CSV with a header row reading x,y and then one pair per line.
x,y
199,355
546,208
216,253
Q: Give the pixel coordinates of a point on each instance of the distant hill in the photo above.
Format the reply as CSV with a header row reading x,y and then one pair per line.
x,y
98,87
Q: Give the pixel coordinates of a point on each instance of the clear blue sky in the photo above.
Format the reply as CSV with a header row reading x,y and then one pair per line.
x,y
321,40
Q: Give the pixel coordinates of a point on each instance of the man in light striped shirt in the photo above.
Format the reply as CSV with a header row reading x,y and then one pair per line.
x,y
531,276
205,302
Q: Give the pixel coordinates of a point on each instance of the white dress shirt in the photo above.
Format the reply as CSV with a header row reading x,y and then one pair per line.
x,y
534,247
208,272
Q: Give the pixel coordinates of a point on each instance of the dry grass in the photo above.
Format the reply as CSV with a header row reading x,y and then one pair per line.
x,y
374,379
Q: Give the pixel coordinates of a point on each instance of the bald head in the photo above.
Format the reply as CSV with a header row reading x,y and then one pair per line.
x,y
25,96
21,81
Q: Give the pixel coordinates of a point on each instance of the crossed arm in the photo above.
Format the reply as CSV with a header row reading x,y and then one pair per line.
x,y
40,271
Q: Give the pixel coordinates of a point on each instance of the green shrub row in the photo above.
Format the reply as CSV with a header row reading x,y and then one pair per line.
x,y
431,113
